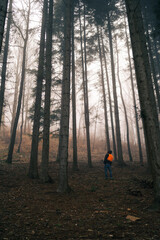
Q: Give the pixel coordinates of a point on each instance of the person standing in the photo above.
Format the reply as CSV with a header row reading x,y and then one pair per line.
x,y
107,164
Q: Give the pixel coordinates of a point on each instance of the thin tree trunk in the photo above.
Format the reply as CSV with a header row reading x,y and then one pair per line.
x,y
146,94
116,111
33,166
13,136
21,128
110,101
124,106
26,110
65,104
75,161
87,122
5,56
85,89
3,12
104,94
15,100
134,99
45,150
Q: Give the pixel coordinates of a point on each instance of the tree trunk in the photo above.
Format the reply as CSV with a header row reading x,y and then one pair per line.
x,y
21,128
87,122
85,88
3,12
124,106
155,80
26,110
134,99
104,94
13,135
65,104
75,164
116,112
4,67
146,94
45,150
33,167
110,101
15,100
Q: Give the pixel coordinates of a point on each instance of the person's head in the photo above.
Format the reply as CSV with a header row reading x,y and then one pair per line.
x,y
110,151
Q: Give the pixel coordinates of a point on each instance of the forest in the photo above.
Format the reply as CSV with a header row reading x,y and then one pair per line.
x,y
78,79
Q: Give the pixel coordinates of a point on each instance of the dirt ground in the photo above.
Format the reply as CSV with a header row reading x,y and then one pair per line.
x,y
95,209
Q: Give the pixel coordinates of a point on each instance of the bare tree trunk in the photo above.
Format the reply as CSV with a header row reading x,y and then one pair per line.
x,y
124,106
116,112
104,94
75,164
134,99
65,104
26,110
33,167
5,56
21,128
87,122
15,100
146,94
3,12
45,150
13,136
85,90
110,101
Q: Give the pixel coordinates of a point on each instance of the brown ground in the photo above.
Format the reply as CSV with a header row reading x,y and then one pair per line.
x,y
95,209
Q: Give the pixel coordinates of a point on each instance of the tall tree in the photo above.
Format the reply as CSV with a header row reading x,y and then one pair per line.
x,y
33,166
13,135
124,106
116,111
5,55
15,98
45,150
110,100
134,98
85,85
104,92
65,103
146,94
3,12
75,158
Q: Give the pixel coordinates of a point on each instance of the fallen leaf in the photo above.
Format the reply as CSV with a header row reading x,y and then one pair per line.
x,y
132,218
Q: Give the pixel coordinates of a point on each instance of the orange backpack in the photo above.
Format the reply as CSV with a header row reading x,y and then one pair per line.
x,y
110,158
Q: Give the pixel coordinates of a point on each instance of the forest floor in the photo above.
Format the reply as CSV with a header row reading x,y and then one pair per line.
x,y
95,208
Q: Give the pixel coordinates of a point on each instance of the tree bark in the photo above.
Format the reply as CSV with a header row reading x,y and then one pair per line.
x,y
3,12
146,94
65,104
75,159
110,101
85,89
15,100
124,106
45,149
155,80
33,166
87,122
134,99
13,135
116,111
104,93
5,55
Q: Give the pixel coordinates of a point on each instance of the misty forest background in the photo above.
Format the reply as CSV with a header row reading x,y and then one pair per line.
x,y
79,77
